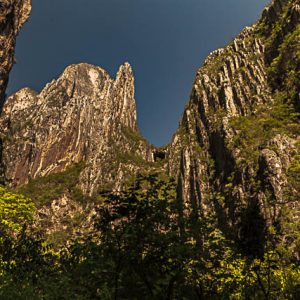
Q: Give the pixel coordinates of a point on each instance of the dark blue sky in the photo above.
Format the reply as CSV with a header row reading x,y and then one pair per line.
x,y
165,41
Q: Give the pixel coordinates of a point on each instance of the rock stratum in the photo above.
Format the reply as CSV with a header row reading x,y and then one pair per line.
x,y
237,146
233,82
237,140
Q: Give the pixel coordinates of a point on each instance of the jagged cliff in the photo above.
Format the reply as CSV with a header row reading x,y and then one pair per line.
x,y
237,146
83,116
239,135
13,14
230,83
75,138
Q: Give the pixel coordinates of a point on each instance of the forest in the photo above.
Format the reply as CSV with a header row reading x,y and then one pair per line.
x,y
145,245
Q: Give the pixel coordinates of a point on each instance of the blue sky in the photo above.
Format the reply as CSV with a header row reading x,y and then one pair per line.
x,y
165,41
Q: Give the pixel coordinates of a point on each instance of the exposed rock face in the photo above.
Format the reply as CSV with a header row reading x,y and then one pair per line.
x,y
274,162
13,14
235,145
230,83
214,173
84,115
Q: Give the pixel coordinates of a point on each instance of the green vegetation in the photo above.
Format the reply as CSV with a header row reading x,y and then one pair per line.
x,y
216,118
283,62
254,131
284,70
131,158
15,211
132,135
44,190
283,54
294,171
144,246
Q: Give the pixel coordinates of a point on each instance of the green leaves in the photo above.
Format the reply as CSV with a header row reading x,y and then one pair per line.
x,y
144,246
15,211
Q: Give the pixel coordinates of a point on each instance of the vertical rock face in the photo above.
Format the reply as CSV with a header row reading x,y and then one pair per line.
x,y
233,98
13,14
83,116
231,83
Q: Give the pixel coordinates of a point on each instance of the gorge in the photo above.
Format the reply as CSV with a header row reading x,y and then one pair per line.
x,y
236,152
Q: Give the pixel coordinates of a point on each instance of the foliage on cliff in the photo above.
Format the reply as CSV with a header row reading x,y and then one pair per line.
x,y
281,37
44,190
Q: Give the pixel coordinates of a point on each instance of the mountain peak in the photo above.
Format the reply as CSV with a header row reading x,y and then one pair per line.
x,y
78,117
125,68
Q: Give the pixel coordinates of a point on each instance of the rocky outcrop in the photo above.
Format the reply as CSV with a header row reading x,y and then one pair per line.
x,y
224,153
63,219
13,14
231,83
76,138
83,116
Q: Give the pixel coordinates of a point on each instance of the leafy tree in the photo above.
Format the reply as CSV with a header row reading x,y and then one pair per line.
x,y
144,246
15,211
138,250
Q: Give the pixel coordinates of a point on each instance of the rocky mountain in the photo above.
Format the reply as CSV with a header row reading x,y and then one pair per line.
x,y
218,219
235,153
239,135
79,137
13,14
83,116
